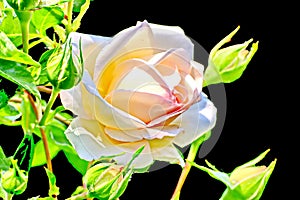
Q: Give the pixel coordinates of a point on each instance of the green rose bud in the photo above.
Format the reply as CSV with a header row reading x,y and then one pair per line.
x,y
227,65
14,180
22,5
106,181
64,68
247,181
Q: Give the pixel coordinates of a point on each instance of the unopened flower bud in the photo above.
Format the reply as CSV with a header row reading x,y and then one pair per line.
x,y
22,5
64,68
248,182
227,65
14,180
106,181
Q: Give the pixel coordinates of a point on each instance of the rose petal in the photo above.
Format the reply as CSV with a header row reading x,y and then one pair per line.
x,y
91,45
85,101
140,134
130,39
144,106
203,115
197,74
90,142
169,37
135,75
171,61
164,150
82,135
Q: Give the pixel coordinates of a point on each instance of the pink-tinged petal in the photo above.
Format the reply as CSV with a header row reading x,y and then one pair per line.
x,y
168,37
85,101
141,134
91,45
197,120
190,73
164,150
171,61
144,106
130,39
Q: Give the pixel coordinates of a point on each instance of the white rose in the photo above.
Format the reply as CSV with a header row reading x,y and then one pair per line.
x,y
140,88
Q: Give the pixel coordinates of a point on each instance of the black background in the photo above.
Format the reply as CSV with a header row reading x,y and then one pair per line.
x,y
257,104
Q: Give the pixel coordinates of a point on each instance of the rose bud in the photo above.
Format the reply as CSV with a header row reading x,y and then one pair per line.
x,y
22,5
106,181
14,180
247,181
64,69
227,65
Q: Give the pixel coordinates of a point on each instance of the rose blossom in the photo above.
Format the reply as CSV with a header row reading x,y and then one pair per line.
x,y
139,88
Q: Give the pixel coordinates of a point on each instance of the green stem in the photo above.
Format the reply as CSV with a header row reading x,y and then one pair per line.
x,y
24,18
43,120
9,196
51,101
185,171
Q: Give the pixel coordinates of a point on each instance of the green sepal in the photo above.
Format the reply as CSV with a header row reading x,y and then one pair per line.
x,y
4,161
24,153
53,189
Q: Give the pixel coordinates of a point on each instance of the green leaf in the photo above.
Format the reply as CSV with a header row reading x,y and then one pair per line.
x,y
3,98
9,115
53,189
4,161
78,4
78,163
19,75
46,18
39,157
10,52
10,25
